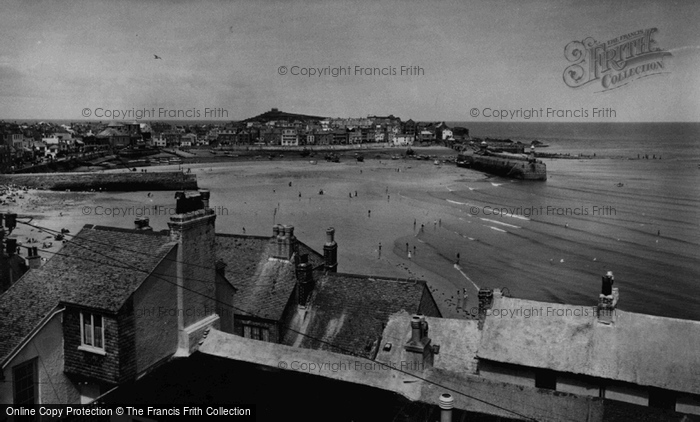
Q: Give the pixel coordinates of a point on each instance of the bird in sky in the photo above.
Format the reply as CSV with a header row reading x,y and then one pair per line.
x,y
156,57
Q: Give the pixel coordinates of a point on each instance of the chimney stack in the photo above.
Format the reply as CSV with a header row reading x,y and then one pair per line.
x,y
11,246
330,252
485,297
193,229
446,403
285,242
607,300
419,351
142,223
304,280
34,260
289,244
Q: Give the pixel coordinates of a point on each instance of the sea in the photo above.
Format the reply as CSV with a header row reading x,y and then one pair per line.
x,y
633,210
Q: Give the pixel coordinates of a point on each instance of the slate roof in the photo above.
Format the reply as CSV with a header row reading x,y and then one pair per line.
x,y
350,311
637,348
83,273
263,285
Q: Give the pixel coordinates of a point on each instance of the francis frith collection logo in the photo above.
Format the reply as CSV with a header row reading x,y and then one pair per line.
x,y
615,63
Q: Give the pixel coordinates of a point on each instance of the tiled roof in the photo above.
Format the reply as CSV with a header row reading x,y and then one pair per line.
x,y
350,311
83,273
637,348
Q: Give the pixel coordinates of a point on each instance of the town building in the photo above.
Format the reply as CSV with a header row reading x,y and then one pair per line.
x,y
597,351
289,137
115,304
116,135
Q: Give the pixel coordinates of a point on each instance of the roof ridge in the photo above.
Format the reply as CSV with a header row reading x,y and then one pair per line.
x,y
382,278
163,232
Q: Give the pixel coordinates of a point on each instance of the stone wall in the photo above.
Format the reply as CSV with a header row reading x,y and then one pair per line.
x,y
124,182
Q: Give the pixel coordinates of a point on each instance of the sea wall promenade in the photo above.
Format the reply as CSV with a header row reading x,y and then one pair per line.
x,y
124,182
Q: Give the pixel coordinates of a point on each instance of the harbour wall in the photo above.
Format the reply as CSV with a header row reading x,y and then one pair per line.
x,y
123,182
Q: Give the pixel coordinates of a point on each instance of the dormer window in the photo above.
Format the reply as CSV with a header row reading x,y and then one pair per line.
x,y
92,333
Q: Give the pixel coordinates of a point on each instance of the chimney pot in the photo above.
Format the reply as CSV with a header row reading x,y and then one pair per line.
x,y
305,280
11,247
205,195
34,260
330,251
142,223
187,203
416,329
11,221
330,236
446,403
608,280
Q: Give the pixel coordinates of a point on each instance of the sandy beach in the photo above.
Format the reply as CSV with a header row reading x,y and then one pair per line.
x,y
544,257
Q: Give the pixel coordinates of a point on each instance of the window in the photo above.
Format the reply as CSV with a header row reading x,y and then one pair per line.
x,y
24,377
256,333
92,333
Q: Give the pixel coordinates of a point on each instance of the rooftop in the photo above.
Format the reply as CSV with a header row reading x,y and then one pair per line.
x,y
84,273
351,311
637,348
263,285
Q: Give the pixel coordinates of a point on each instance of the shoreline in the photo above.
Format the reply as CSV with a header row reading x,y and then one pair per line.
x,y
535,258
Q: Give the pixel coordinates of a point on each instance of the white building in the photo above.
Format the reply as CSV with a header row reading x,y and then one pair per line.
x,y
403,139
289,137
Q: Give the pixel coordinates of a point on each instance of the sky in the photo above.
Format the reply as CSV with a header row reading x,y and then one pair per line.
x,y
68,60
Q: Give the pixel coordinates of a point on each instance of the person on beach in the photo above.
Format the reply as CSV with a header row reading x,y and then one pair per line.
x,y
457,258
414,224
414,250
355,194
422,228
243,230
369,213
409,254
290,184
380,251
388,197
406,247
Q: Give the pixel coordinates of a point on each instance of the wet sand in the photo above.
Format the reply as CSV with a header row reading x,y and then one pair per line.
x,y
546,257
